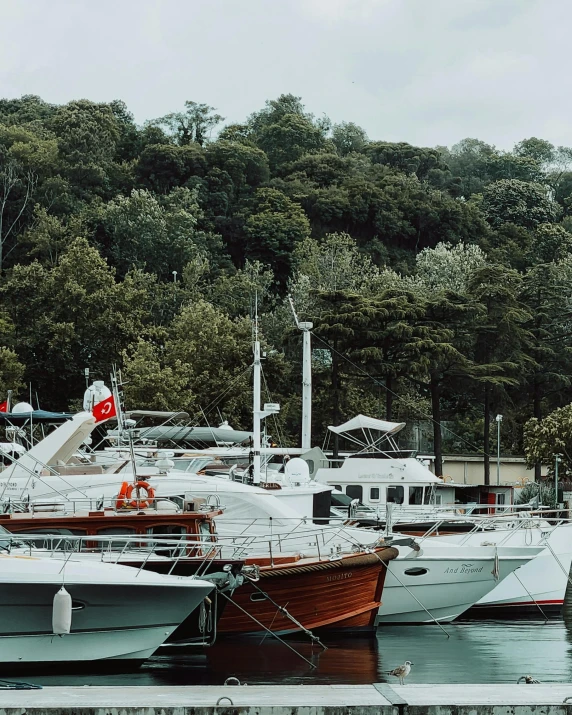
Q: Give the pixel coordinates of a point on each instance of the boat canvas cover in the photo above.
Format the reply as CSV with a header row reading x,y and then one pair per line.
x,y
36,417
368,423
190,435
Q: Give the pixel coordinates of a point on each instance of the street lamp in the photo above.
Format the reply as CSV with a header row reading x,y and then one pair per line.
x,y
174,276
557,459
498,420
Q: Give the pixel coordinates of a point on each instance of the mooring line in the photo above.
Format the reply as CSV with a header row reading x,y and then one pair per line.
x,y
234,603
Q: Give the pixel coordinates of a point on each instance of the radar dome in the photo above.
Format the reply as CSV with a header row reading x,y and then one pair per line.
x,y
297,471
21,408
95,393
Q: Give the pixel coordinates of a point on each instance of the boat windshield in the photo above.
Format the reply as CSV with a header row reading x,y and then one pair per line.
x,y
192,464
341,500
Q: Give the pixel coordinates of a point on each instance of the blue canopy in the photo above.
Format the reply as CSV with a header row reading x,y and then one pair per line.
x,y
37,416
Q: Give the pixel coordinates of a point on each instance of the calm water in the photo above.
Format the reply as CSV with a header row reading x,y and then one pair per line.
x,y
475,652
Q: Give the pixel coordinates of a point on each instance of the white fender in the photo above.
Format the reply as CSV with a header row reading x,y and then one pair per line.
x,y
62,612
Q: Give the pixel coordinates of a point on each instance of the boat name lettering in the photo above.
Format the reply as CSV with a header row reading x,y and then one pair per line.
x,y
465,568
339,576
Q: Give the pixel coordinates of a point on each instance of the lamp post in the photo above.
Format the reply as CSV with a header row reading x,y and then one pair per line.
x,y
498,420
557,458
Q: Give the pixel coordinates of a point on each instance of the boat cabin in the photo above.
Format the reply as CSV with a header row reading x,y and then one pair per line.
x,y
379,473
77,519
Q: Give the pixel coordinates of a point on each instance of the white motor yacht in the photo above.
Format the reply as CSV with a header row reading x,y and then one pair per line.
x,y
436,583
117,613
537,586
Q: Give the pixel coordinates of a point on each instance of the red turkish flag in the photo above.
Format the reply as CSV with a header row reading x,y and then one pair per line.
x,y
4,406
104,410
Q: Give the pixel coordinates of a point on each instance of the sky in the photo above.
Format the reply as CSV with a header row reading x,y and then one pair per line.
x,y
428,72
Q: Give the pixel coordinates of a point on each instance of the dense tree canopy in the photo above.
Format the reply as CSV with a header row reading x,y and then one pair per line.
x,y
439,280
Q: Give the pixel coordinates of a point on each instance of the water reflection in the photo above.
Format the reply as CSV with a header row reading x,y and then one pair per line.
x,y
475,652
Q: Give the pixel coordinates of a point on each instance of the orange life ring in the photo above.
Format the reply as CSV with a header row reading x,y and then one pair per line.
x,y
126,491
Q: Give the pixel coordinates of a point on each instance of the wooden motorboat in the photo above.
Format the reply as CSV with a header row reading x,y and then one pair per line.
x,y
340,593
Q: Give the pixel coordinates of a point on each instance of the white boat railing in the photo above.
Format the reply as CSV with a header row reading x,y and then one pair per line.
x,y
324,543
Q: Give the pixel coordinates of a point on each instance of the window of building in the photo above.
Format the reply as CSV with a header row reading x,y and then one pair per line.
x,y
374,494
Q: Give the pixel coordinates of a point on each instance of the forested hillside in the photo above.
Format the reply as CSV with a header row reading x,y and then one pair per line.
x,y
439,280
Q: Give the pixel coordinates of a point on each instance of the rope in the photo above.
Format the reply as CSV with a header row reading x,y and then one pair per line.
x,y
363,548
240,608
18,685
531,596
431,616
284,612
559,563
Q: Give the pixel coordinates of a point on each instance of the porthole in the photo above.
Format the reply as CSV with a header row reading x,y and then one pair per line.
x,y
417,571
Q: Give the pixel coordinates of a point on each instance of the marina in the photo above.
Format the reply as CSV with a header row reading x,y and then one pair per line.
x,y
285,399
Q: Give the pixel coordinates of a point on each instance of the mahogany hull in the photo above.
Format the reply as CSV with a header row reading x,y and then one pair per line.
x,y
341,594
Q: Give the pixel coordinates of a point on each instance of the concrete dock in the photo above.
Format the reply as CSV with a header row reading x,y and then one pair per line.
x,y
376,699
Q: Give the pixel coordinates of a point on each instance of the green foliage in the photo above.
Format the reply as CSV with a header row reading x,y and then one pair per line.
x,y
445,274
273,229
545,438
347,137
162,167
195,124
519,202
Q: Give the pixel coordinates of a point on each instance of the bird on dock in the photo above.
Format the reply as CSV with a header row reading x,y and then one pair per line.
x,y
528,679
402,671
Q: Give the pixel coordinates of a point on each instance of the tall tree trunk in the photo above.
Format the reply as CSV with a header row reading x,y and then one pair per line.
x,y
436,413
487,436
388,398
536,412
335,396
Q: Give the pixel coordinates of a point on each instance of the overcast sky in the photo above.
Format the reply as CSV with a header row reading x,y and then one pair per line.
x,y
423,71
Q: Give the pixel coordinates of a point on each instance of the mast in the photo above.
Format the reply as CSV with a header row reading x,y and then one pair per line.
x,y
306,385
306,329
270,408
256,414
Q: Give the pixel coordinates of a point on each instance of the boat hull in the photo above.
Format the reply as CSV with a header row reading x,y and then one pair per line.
x,y
441,589
341,594
110,621
541,582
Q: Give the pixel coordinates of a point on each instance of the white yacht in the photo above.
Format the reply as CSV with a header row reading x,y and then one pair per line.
x,y
113,613
539,586
433,582
379,473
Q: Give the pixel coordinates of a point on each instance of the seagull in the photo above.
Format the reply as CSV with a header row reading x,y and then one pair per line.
x,y
402,671
528,679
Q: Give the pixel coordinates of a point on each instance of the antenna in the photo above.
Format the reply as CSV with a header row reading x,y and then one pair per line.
x,y
294,311
256,315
